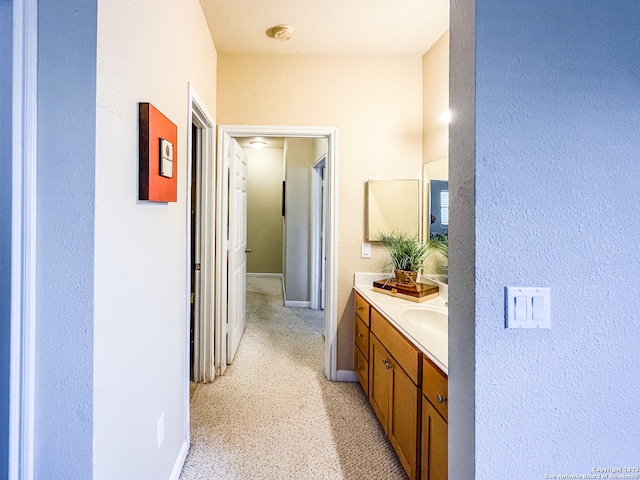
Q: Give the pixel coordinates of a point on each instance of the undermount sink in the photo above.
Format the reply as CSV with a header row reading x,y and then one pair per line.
x,y
427,317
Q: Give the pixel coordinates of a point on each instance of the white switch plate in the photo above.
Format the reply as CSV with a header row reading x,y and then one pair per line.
x,y
527,307
366,250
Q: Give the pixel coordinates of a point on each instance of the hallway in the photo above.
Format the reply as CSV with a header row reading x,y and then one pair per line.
x,y
275,416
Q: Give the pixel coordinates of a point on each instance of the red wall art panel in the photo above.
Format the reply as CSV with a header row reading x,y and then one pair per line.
x,y
158,156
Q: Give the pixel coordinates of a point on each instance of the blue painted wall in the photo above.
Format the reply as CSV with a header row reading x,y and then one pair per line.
x,y
557,179
6,42
65,239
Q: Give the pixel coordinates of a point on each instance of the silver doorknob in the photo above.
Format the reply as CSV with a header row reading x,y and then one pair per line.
x,y
247,250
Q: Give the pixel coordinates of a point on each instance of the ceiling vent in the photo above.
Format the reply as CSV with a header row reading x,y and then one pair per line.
x,y
282,33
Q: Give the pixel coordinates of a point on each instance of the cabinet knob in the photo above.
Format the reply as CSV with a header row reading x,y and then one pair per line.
x,y
360,335
441,399
358,307
386,363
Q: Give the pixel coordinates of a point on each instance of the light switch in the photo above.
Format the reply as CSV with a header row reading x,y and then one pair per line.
x,y
527,307
538,308
520,313
366,250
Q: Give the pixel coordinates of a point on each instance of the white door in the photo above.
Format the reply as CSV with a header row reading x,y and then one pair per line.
x,y
237,280
196,237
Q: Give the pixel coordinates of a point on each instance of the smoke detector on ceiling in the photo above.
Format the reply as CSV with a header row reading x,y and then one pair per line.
x,y
282,33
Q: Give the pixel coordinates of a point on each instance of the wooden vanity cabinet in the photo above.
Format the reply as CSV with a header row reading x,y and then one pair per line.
x,y
361,337
434,443
434,451
407,391
393,393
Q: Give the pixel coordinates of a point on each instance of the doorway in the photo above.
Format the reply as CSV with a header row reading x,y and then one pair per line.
x,y
199,365
226,136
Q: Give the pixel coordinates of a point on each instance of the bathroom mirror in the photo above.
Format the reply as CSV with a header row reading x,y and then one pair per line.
x,y
438,207
436,171
393,206
435,205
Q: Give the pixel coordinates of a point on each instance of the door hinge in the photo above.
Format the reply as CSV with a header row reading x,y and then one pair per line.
x,y
197,266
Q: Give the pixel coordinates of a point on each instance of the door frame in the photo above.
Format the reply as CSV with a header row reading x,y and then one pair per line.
x,y
317,219
204,337
23,239
225,132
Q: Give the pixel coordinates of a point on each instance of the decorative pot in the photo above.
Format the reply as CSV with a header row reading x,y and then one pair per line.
x,y
403,276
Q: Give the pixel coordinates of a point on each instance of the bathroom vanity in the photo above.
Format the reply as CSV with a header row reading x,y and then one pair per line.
x,y
400,358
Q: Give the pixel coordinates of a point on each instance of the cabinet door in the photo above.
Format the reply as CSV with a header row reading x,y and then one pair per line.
x,y
434,443
379,381
403,420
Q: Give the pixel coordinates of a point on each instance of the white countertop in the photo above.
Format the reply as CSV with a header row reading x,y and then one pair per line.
x,y
433,345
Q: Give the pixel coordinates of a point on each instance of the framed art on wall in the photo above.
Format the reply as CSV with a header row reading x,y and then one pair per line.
x,y
158,157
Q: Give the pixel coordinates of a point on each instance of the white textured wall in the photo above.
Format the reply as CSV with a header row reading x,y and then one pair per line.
x,y
298,160
64,331
377,104
462,253
320,148
264,209
556,204
147,52
435,101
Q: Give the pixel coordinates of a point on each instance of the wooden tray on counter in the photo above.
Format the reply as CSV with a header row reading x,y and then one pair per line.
x,y
420,292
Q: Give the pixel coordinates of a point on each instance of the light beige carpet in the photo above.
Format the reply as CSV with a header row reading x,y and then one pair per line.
x,y
273,415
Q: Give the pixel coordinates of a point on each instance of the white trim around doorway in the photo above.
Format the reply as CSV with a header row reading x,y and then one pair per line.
x,y
204,370
225,132
23,240
199,115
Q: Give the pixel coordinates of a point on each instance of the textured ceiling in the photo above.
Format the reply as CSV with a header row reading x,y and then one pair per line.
x,y
327,27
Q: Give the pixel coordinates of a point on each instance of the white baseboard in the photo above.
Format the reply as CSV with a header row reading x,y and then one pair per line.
x,y
297,303
182,456
346,376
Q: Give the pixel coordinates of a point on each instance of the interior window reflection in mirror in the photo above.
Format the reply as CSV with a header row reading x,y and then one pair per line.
x,y
439,207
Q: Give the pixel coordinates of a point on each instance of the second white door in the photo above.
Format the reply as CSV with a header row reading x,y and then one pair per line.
x,y
237,282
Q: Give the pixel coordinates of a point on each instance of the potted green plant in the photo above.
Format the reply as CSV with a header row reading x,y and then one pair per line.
x,y
407,255
439,243
437,263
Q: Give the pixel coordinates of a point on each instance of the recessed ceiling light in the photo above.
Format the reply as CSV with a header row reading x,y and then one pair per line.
x,y
258,144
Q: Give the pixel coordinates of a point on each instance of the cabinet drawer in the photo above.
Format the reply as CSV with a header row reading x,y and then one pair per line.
x,y
361,366
362,337
435,387
407,356
362,309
